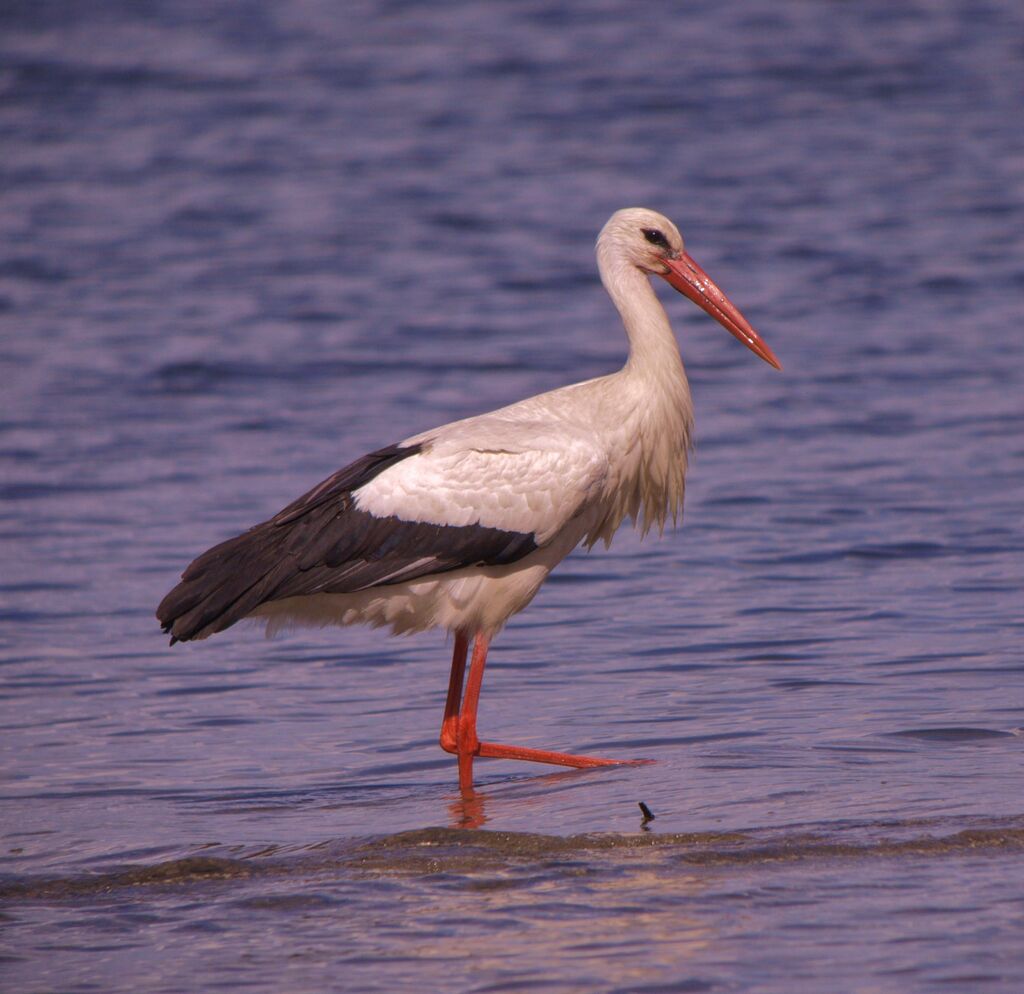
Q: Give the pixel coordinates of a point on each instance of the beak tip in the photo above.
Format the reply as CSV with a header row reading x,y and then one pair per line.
x,y
684,275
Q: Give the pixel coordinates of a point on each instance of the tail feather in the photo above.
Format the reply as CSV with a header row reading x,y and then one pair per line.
x,y
202,603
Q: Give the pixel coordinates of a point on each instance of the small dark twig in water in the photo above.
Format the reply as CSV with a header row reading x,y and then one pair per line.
x,y
646,812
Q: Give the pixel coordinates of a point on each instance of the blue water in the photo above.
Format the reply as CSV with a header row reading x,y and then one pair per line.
x,y
242,244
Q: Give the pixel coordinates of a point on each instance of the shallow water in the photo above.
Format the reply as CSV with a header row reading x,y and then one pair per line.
x,y
241,246
445,909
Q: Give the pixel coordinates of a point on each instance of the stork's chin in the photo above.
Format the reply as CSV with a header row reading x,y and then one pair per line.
x,y
691,281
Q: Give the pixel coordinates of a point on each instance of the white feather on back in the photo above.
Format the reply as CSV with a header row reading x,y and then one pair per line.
x,y
525,476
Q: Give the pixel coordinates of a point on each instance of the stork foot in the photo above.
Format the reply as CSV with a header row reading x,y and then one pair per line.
x,y
495,750
458,729
467,752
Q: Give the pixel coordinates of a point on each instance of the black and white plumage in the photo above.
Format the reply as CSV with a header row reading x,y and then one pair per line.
x,y
323,544
459,526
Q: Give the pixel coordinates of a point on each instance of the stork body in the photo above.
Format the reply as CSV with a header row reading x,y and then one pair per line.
x,y
459,526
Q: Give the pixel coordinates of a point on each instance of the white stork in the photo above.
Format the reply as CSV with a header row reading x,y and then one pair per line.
x,y
459,526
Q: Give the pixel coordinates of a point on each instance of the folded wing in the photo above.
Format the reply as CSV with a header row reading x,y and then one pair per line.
x,y
397,514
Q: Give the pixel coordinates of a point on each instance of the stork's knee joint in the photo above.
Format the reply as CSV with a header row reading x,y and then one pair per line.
x,y
450,736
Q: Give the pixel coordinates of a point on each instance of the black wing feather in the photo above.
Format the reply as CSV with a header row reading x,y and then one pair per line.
x,y
322,543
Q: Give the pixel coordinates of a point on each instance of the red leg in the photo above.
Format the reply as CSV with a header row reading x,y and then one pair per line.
x,y
469,744
450,723
462,726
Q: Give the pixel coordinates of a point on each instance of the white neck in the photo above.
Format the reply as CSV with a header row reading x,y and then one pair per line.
x,y
658,419
653,351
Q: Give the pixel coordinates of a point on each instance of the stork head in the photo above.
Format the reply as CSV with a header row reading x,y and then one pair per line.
x,y
641,237
650,242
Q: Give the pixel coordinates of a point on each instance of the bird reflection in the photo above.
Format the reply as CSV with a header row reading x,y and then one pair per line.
x,y
469,810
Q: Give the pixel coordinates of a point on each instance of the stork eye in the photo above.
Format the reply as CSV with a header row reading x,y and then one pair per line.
x,y
655,237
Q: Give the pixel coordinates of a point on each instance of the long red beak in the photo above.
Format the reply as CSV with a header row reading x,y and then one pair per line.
x,y
691,281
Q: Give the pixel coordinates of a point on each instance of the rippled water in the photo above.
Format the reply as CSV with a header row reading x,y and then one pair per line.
x,y
240,245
